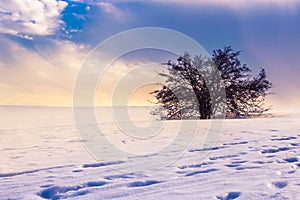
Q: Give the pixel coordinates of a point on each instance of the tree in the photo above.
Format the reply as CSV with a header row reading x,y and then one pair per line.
x,y
194,86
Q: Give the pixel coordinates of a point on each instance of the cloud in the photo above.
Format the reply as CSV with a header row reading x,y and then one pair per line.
x,y
31,17
28,77
109,7
235,4
46,77
112,10
128,78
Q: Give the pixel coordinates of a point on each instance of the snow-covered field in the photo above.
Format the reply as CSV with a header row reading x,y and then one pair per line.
x,y
42,157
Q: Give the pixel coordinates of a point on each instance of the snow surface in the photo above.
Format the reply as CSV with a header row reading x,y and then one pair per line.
x,y
42,157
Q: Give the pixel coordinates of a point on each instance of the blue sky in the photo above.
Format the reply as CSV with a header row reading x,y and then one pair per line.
x,y
43,43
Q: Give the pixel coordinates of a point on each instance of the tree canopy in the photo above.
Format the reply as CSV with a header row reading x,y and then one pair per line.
x,y
194,86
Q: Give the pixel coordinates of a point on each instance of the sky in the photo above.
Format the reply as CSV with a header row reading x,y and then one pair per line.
x,y
44,43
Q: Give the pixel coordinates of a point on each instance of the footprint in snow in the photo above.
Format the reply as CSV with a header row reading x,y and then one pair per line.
x,y
233,165
291,159
239,162
275,150
101,164
245,168
77,170
207,149
225,156
294,144
283,138
57,192
235,143
201,172
229,196
119,176
143,183
60,192
195,165
280,184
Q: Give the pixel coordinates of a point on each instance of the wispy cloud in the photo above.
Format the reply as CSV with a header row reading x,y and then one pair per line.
x,y
44,77
30,17
112,10
236,4
109,7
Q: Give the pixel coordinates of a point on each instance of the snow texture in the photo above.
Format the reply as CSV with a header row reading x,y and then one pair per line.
x,y
42,157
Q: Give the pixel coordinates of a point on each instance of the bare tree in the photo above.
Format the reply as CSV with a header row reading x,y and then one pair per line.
x,y
191,89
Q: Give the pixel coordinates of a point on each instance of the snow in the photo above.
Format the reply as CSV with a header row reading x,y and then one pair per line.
x,y
43,157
